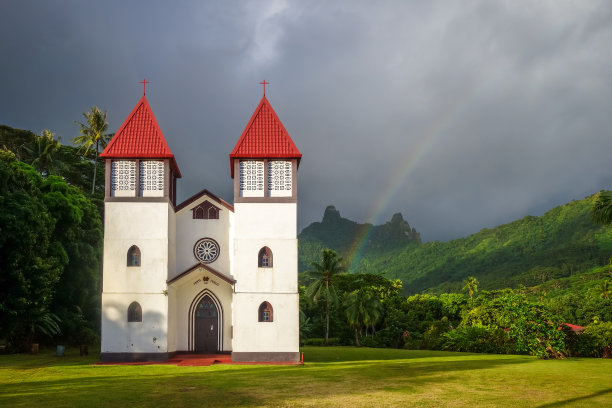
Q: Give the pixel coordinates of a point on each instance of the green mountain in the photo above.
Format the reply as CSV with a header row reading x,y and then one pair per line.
x,y
531,251
352,240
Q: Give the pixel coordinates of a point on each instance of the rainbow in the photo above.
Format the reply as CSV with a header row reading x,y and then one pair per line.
x,y
431,137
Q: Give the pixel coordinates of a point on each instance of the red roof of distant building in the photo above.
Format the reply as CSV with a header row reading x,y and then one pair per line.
x,y
573,327
264,137
140,137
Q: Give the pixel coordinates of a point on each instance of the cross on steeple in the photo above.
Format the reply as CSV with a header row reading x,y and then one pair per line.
x,y
264,83
144,83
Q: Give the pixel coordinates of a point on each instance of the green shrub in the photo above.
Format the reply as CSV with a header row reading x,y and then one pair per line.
x,y
476,339
319,341
593,341
376,341
433,336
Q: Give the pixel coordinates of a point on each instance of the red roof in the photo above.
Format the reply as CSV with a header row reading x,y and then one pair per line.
x,y
140,137
264,137
573,327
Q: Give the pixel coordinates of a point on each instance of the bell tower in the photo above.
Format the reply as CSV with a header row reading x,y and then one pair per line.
x,y
139,239
264,165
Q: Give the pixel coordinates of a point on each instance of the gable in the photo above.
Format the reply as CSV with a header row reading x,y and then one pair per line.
x,y
198,268
212,198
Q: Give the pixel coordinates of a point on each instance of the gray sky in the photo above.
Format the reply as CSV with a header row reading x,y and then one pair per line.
x,y
458,114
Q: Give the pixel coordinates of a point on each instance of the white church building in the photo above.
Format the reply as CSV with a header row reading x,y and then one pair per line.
x,y
201,276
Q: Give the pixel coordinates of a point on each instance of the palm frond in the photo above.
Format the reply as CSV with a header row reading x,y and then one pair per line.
x,y
601,209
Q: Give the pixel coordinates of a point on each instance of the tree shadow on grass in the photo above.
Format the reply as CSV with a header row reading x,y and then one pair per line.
x,y
566,402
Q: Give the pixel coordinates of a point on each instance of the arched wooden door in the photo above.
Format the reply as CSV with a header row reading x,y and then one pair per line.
x,y
206,326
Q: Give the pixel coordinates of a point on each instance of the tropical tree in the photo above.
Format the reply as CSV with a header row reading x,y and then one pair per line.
x,y
30,261
362,308
323,286
38,320
93,136
529,327
50,252
471,285
43,152
601,209
604,290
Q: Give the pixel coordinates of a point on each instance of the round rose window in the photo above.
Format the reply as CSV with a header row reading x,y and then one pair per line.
x,y
206,250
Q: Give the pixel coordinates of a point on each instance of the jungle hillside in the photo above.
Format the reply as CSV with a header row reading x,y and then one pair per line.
x,y
561,252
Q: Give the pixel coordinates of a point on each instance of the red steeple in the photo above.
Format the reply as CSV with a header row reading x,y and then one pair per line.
x,y
140,137
264,137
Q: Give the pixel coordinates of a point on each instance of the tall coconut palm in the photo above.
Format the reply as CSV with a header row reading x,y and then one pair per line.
x,y
601,209
93,136
323,287
43,152
471,285
362,308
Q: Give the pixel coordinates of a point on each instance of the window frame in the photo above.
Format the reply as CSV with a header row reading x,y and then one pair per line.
x,y
265,310
133,252
265,253
134,313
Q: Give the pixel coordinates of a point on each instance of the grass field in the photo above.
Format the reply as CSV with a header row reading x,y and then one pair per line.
x,y
330,377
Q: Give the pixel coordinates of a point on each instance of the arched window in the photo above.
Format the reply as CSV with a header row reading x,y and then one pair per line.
x,y
264,259
213,213
134,312
133,256
265,312
205,211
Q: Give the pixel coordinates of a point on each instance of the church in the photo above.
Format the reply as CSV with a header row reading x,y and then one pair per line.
x,y
201,276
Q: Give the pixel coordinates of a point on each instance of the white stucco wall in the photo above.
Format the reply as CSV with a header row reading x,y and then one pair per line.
x,y
121,336
281,277
280,335
171,242
142,224
145,225
172,332
265,224
273,225
189,231
266,220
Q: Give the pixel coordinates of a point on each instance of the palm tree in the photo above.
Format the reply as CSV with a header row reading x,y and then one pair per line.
x,y
92,136
323,287
601,209
38,319
362,308
354,313
471,285
42,153
604,289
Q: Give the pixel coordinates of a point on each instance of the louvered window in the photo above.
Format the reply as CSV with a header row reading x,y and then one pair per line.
x,y
123,178
152,178
280,178
251,178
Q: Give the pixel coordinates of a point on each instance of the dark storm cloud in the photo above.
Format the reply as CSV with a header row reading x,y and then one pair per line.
x,y
460,115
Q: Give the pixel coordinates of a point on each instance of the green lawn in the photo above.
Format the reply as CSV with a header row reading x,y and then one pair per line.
x,y
332,377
